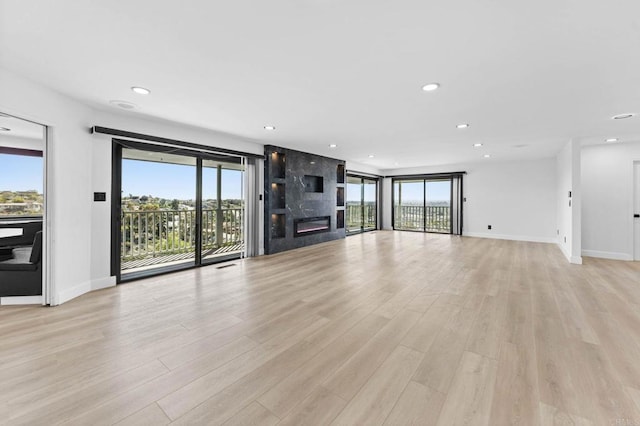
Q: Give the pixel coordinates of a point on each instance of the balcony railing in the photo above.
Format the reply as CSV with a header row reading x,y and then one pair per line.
x,y
355,214
429,218
159,233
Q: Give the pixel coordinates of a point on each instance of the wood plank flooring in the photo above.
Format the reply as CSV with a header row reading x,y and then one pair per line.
x,y
384,328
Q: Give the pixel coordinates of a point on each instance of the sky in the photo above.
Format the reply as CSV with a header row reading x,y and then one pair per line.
x,y
20,173
436,191
176,181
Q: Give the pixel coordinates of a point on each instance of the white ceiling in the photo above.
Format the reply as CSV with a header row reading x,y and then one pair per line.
x,y
527,76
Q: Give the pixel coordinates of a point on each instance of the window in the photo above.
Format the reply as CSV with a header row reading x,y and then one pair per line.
x,y
21,183
428,204
362,204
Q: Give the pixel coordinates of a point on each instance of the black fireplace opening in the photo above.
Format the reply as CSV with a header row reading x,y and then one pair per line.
x,y
311,225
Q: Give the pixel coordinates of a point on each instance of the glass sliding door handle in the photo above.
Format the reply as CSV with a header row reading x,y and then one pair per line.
x,y
636,215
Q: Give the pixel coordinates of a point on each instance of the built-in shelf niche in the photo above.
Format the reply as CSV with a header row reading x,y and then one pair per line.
x,y
278,196
313,183
340,196
340,219
278,225
340,173
278,166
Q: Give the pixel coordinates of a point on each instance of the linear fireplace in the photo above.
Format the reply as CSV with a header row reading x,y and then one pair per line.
x,y
311,225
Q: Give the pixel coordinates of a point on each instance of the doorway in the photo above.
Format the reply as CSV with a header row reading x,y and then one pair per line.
x,y
636,210
428,204
23,212
174,208
362,204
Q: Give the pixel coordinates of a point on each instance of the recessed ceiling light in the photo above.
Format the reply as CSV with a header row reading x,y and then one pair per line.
x,y
371,155
312,162
140,90
477,145
462,126
333,145
269,127
123,104
623,116
612,140
430,87
487,156
4,129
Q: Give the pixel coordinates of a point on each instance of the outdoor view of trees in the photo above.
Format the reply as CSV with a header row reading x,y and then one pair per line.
x,y
153,226
21,203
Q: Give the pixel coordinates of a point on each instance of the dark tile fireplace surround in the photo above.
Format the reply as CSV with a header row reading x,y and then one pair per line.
x,y
304,199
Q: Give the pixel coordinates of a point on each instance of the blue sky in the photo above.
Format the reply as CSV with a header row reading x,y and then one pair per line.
x,y
20,173
436,191
164,180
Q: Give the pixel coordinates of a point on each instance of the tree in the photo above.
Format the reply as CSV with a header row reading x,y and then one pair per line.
x,y
175,204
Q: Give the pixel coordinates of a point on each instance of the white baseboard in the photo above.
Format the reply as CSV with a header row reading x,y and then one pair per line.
x,y
576,260
607,255
510,237
21,300
85,287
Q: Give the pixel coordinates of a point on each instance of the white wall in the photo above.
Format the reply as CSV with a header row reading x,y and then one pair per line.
x,y
607,203
516,198
78,165
569,209
101,178
69,177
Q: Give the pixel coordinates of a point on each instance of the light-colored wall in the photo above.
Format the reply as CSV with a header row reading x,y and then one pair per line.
x,y
101,177
79,164
607,209
516,198
69,179
569,213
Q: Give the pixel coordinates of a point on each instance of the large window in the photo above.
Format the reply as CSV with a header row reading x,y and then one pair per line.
x,y
178,208
21,183
362,204
428,204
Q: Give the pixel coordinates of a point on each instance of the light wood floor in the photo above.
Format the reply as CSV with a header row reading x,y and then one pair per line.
x,y
382,328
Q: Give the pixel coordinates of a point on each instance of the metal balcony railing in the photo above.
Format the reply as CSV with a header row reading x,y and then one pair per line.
x,y
355,214
157,233
429,218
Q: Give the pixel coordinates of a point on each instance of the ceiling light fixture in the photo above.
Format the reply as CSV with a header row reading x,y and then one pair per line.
x,y
4,129
371,155
623,116
430,87
462,126
612,140
269,127
140,90
477,145
487,156
333,145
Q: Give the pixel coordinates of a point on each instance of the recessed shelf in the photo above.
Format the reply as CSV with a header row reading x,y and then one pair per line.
x,y
313,183
277,199
278,166
340,219
340,173
340,196
278,226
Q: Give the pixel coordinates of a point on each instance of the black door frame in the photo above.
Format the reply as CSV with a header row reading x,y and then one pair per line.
x,y
451,177
377,183
116,205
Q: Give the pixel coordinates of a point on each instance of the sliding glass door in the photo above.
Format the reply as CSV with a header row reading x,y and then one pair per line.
x,y
222,210
176,209
428,204
362,204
